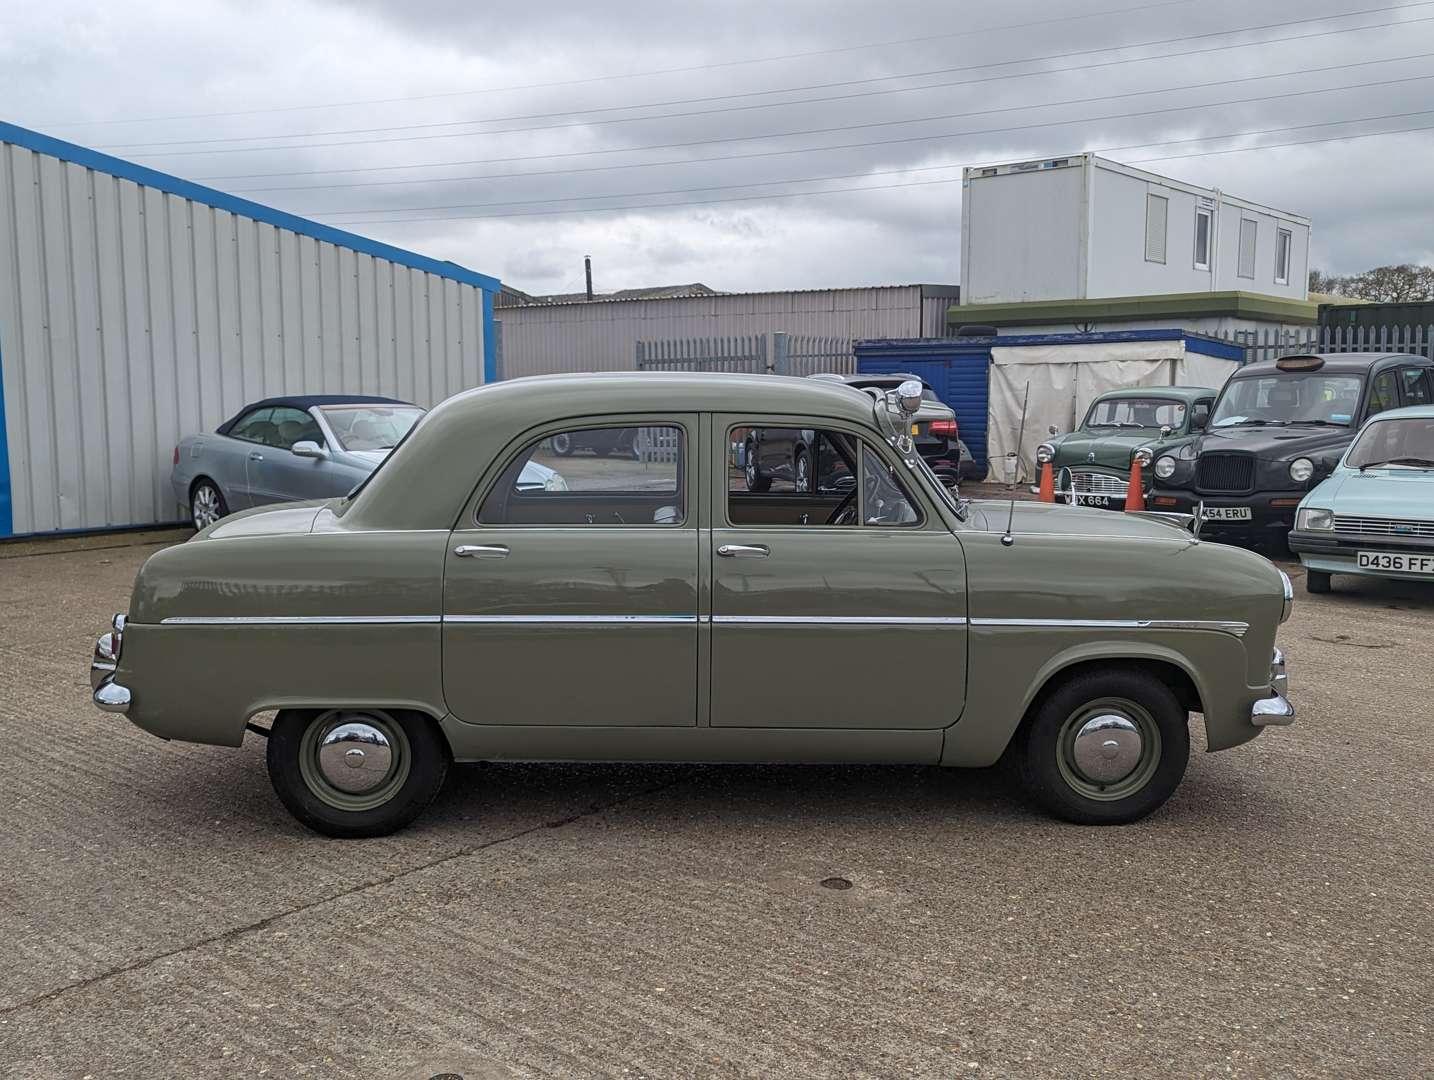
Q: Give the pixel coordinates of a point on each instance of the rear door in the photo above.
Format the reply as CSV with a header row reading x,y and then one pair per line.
x,y
841,608
571,583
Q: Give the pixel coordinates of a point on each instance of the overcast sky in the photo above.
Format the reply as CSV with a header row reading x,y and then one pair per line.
x,y
412,95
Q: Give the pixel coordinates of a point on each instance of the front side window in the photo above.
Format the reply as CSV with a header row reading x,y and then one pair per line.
x,y
1395,443
290,426
619,475
805,477
1203,218
1152,413
370,427
1288,399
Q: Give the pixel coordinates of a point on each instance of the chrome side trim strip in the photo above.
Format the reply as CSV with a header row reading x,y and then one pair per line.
x,y
295,620
1227,626
840,620
587,620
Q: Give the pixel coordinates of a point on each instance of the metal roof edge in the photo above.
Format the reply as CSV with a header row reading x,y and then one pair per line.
x,y
1202,343
188,189
1175,306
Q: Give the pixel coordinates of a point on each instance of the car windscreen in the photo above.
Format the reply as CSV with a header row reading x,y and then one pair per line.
x,y
1151,412
1396,442
1288,398
370,427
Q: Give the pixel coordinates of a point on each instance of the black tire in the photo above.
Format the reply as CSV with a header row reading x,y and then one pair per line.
x,y
1317,581
419,763
1047,766
204,493
752,474
562,444
801,473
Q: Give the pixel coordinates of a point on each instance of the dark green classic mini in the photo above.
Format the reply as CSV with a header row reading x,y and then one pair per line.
x,y
1092,463
649,607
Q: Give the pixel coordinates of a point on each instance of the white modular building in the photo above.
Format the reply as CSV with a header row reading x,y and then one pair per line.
x,y
137,307
1084,228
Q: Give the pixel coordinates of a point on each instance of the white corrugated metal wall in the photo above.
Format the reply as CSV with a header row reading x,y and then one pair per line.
x,y
602,335
131,315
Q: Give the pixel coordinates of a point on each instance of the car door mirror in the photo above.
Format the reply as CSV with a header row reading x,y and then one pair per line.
x,y
307,448
1199,419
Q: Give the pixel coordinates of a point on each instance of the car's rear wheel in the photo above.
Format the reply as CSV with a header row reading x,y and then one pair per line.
x,y
356,772
1316,581
751,474
1106,747
206,503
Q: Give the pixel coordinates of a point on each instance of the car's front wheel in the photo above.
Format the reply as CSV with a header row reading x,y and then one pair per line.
x,y
206,504
356,772
1106,747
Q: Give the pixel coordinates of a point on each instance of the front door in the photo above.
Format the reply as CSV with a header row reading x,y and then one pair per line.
x,y
840,607
571,584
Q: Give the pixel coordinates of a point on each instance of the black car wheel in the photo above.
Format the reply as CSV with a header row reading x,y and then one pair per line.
x,y
562,444
751,474
206,503
1105,748
356,772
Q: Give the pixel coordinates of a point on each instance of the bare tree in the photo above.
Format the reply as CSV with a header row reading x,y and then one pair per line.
x,y
1400,284
1320,282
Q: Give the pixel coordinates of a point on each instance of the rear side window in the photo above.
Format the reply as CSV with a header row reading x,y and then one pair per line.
x,y
1416,386
601,476
256,426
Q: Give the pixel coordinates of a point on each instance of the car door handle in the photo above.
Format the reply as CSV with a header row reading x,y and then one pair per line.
x,y
744,551
256,457
481,551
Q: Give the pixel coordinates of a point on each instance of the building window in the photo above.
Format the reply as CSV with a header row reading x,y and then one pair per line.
x,y
1157,210
1203,220
1283,240
1248,233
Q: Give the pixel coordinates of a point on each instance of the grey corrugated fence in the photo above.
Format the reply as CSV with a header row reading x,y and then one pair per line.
x,y
770,354
1269,344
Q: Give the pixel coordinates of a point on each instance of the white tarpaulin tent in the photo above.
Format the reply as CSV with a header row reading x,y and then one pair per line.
x,y
1065,377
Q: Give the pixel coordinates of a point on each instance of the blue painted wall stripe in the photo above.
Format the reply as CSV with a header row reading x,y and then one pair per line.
x,y
7,513
128,170
490,342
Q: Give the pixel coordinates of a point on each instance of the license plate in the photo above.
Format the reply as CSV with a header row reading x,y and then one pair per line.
x,y
1396,561
1105,502
1227,513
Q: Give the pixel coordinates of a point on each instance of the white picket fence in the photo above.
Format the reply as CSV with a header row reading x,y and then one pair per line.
x,y
1271,344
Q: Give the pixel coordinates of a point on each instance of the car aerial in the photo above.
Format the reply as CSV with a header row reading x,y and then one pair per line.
x,y
1277,429
934,427
1374,515
288,448
663,611
1092,464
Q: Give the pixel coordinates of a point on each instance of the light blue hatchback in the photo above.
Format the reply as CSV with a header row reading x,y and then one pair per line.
x,y
1374,514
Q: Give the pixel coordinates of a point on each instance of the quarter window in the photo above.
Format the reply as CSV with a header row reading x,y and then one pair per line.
x,y
1416,386
601,476
253,427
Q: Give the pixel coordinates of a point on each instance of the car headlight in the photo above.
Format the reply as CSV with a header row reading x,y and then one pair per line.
x,y
1165,467
1143,455
555,483
1045,452
1301,469
1314,520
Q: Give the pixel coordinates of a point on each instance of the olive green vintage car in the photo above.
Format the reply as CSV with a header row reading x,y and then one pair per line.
x,y
652,608
1092,463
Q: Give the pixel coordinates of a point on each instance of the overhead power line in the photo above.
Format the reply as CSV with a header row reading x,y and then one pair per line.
x,y
211,150
585,80
1089,100
886,187
941,136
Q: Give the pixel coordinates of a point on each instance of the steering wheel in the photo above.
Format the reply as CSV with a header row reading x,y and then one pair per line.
x,y
845,512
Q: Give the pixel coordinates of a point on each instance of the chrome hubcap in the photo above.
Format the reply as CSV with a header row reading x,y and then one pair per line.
x,y
206,507
355,757
1107,748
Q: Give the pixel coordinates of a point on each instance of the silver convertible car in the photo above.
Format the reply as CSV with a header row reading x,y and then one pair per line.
x,y
284,449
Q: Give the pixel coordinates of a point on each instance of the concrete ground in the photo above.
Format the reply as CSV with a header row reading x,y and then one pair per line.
x,y
161,915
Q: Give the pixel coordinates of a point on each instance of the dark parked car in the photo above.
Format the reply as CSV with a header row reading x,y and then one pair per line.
x,y
1278,429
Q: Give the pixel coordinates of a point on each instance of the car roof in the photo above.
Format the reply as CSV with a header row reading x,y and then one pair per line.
x,y
305,402
1334,363
1408,412
1183,393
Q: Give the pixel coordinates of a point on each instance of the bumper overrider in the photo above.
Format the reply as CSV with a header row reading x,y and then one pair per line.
x,y
1275,709
109,695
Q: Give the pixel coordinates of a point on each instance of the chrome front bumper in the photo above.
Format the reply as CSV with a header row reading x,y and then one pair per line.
x,y
1275,710
109,695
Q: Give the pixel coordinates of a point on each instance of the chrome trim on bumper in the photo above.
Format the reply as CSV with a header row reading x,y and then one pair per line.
x,y
109,696
1272,711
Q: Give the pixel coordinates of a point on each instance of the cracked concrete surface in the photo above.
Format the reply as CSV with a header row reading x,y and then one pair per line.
x,y
160,914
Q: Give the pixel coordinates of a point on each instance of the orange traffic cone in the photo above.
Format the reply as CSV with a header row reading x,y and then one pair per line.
x,y
1135,493
1048,483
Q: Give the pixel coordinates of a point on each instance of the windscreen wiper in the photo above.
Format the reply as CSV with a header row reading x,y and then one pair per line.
x,y
1415,461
